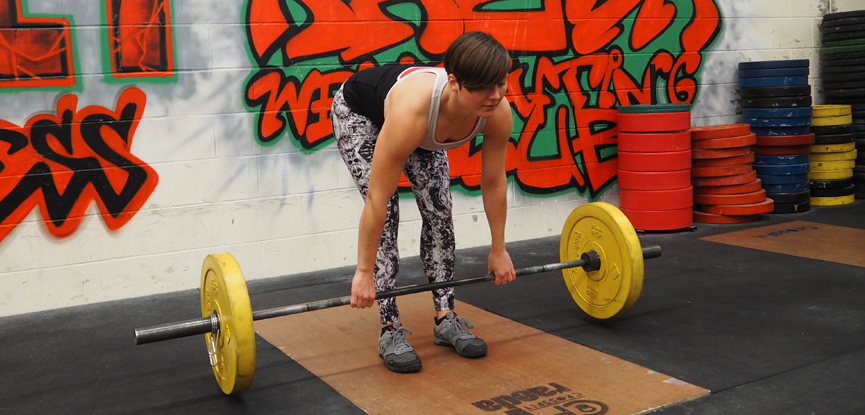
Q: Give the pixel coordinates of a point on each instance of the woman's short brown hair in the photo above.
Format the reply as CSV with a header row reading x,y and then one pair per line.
x,y
477,60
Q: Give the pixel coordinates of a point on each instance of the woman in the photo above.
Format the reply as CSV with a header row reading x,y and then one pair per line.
x,y
393,119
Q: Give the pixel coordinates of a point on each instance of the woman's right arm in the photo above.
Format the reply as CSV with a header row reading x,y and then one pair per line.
x,y
403,130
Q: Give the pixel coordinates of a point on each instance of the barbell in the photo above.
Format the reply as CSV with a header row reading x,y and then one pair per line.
x,y
602,262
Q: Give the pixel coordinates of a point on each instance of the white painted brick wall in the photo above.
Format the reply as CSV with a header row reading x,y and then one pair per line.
x,y
279,210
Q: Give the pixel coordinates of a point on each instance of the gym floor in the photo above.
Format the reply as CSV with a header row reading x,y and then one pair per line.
x,y
765,332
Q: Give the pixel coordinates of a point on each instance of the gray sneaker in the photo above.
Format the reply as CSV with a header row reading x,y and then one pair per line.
x,y
454,331
398,355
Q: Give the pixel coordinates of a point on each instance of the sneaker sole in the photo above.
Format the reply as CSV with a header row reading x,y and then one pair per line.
x,y
439,342
407,369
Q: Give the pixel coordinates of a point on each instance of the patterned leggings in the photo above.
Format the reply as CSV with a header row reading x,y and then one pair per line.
x,y
429,175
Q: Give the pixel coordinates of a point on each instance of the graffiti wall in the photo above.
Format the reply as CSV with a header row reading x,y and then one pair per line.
x,y
137,136
575,63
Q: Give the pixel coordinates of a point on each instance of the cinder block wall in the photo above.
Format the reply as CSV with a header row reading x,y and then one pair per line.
x,y
193,156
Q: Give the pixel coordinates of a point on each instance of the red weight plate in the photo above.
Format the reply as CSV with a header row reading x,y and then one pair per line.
x,y
765,206
726,161
725,181
719,152
656,199
720,171
658,180
673,160
660,220
703,217
733,189
654,142
654,122
781,150
785,140
726,142
719,131
740,199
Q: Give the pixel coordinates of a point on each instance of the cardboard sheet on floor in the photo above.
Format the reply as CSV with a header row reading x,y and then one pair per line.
x,y
526,371
802,239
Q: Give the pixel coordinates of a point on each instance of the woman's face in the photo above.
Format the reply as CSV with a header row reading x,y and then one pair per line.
x,y
483,102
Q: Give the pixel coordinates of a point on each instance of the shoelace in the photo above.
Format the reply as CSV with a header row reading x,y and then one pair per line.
x,y
400,342
462,327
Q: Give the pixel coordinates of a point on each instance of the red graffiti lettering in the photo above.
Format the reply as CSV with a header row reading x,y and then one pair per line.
x,y
62,162
34,52
140,40
306,104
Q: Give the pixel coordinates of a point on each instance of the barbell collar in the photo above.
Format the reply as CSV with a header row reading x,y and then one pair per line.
x,y
208,324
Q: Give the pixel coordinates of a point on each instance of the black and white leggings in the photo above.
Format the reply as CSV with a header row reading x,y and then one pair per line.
x,y
429,175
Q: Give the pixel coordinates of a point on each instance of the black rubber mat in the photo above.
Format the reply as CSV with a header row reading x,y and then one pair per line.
x,y
767,333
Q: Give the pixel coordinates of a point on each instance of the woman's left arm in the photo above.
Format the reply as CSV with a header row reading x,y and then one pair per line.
x,y
494,189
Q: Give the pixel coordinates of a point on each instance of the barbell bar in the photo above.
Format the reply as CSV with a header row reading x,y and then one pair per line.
x,y
601,260
590,261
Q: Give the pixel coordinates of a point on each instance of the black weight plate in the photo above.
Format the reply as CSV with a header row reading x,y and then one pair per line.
x,y
775,91
782,102
772,73
859,169
841,24
834,36
842,56
844,191
859,177
797,197
829,17
840,86
833,129
858,75
860,195
792,207
830,184
841,66
846,93
775,64
834,139
830,29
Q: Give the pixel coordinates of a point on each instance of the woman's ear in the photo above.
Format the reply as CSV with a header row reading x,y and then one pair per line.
x,y
453,83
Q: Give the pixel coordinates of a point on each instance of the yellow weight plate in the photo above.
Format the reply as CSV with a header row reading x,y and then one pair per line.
x,y
832,165
614,288
232,349
830,174
833,148
850,155
827,121
823,111
833,201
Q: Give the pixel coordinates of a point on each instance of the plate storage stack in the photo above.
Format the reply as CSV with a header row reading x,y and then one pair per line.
x,y
726,187
843,73
833,156
776,102
654,166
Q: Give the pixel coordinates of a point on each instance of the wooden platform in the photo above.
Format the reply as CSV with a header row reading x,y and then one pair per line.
x,y
526,370
803,239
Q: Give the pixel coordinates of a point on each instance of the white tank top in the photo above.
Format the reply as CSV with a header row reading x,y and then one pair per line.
x,y
429,142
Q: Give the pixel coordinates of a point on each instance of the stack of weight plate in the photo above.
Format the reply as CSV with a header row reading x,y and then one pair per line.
x,y
843,57
833,156
843,70
655,166
776,103
726,187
